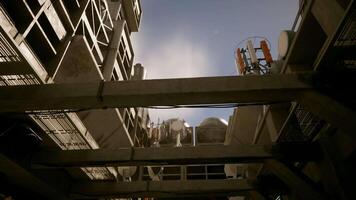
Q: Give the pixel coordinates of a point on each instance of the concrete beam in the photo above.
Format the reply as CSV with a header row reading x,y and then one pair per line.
x,y
332,16
172,156
164,92
113,49
296,182
163,189
132,21
26,180
78,64
329,14
153,156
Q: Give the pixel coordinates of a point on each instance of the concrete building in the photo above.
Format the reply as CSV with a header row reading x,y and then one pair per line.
x,y
75,125
46,42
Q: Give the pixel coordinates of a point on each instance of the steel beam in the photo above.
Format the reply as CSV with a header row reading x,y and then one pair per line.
x,y
27,181
172,155
163,189
165,92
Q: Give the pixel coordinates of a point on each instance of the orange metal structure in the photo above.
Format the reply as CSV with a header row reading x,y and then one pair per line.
x,y
266,51
240,61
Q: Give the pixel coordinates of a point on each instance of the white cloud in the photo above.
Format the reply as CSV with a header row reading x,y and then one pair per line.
x,y
216,32
175,57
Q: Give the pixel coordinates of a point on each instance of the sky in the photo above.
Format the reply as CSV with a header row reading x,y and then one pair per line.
x,y
197,38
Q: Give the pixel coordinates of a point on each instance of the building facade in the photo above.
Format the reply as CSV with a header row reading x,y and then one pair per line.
x,y
44,42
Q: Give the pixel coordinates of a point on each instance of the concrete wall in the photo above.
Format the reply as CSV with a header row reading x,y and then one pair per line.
x,y
78,66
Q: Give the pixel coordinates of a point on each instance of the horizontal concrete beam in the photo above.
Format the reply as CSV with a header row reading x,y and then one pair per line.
x,y
163,189
24,179
173,155
165,92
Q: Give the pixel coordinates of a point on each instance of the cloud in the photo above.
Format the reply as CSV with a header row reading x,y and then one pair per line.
x,y
177,56
216,32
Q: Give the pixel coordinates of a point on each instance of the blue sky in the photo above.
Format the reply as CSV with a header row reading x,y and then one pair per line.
x,y
196,38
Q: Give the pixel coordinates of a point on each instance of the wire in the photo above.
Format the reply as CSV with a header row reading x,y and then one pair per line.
x,y
223,105
235,105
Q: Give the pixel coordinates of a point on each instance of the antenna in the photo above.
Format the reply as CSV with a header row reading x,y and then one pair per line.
x,y
252,59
